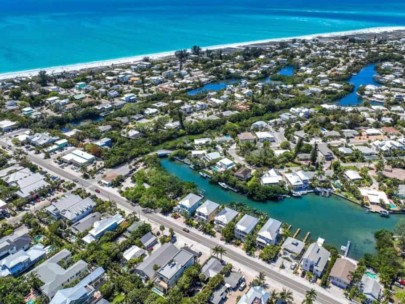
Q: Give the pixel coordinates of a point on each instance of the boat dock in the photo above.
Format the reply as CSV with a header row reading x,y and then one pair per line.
x,y
297,233
306,237
346,248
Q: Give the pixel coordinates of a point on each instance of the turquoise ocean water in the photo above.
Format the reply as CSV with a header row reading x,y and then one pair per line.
x,y
45,33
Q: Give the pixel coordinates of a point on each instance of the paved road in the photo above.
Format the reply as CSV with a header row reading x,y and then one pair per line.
x,y
289,282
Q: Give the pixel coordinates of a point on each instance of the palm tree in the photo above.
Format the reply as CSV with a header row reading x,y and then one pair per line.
x,y
196,50
273,297
259,280
286,296
218,251
310,297
182,56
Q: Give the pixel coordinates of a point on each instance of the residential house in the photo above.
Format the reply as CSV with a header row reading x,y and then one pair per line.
x,y
8,125
133,252
207,211
271,177
71,208
14,242
352,175
341,272
315,259
294,182
148,240
83,292
265,137
102,226
243,174
225,164
190,203
160,257
168,275
324,152
293,246
54,275
210,157
245,226
224,217
16,263
371,288
78,158
211,268
246,137
269,233
255,295
85,223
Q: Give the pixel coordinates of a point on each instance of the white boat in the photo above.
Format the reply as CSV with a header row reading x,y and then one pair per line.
x,y
384,213
223,185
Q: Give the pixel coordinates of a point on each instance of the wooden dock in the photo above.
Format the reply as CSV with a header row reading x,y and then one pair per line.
x,y
297,232
306,237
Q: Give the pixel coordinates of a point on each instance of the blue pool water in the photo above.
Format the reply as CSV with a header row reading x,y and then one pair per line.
x,y
44,33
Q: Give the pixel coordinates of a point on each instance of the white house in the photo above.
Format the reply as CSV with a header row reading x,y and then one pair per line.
x,y
190,203
224,217
268,234
245,226
207,211
315,259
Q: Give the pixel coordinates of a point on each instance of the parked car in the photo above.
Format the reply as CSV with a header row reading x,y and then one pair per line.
x,y
293,266
97,190
242,286
186,230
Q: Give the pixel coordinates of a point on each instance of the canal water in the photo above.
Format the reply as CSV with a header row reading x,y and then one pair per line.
x,y
221,85
334,219
364,77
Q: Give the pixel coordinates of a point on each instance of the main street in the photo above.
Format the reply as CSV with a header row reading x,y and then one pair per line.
x,y
295,283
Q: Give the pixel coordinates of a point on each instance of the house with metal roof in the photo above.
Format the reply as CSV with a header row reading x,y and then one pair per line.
x,y
22,260
85,223
315,259
133,252
190,203
159,257
31,185
255,295
212,268
168,275
324,152
269,233
245,226
102,226
293,246
12,243
206,212
224,217
71,208
148,240
371,288
54,276
82,292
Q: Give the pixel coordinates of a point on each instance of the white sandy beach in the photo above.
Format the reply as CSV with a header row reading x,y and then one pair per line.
x,y
134,59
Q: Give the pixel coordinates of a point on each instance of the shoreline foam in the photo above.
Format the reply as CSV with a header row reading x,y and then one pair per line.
x,y
154,56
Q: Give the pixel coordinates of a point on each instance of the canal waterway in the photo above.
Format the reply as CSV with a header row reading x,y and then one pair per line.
x,y
364,77
334,219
